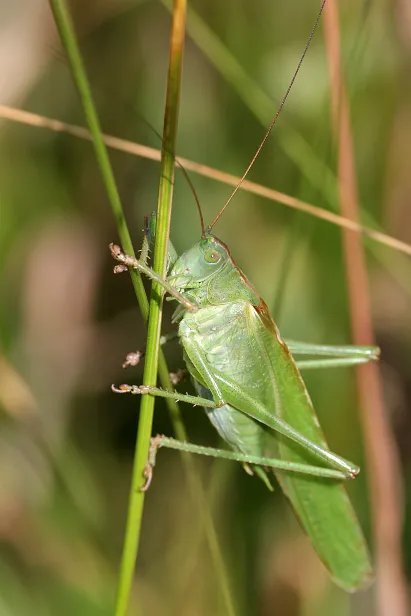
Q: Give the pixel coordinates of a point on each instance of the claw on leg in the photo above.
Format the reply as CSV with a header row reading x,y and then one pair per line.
x,y
155,444
118,255
125,260
248,468
148,474
176,377
125,389
133,358
131,389
119,269
115,250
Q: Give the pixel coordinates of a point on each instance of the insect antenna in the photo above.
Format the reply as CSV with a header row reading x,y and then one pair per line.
x,y
191,185
275,118
187,177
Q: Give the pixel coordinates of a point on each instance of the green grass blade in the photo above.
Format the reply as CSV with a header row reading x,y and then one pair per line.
x,y
155,313
66,30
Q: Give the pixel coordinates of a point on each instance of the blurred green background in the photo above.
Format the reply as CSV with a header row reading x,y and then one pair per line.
x,y
66,323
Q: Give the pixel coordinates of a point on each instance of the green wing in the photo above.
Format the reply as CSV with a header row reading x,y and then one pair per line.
x,y
322,506
258,376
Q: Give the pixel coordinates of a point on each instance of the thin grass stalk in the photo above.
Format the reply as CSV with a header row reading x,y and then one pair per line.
x,y
160,255
165,194
381,453
66,31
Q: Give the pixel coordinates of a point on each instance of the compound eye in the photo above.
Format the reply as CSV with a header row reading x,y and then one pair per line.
x,y
212,256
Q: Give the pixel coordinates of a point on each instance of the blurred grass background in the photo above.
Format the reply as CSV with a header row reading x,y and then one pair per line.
x,y
66,322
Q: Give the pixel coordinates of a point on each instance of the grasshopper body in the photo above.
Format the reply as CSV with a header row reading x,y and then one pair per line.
x,y
252,390
254,395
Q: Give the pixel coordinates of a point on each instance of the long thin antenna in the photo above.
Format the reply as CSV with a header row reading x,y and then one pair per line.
x,y
187,177
310,38
190,183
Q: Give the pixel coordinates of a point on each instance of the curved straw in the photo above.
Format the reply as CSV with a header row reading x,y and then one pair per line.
x,y
136,149
274,120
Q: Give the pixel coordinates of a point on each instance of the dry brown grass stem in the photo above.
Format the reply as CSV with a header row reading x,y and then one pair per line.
x,y
382,458
39,121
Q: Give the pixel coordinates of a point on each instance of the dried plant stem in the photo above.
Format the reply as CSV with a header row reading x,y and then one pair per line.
x,y
382,457
136,149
